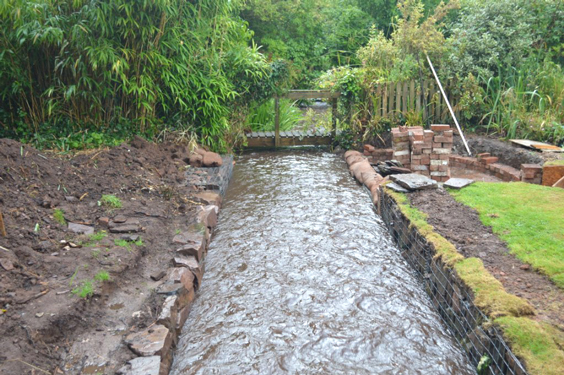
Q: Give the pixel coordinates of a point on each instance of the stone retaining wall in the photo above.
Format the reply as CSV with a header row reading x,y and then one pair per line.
x,y
155,345
452,298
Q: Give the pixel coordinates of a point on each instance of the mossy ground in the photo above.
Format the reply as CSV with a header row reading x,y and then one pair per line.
x,y
539,345
529,218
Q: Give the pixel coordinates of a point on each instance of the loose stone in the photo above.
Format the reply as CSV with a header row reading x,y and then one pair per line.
x,y
156,340
142,366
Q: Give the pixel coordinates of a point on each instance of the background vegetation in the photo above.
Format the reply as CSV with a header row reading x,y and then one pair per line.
x,y
84,73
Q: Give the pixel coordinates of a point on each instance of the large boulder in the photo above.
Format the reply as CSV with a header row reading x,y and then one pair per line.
x,y
211,159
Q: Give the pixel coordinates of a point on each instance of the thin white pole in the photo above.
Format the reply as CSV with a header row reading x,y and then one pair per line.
x,y
449,106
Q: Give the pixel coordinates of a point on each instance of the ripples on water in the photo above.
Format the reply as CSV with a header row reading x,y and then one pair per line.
x,y
303,278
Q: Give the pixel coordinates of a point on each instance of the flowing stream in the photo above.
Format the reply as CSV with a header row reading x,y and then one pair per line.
x,y
303,278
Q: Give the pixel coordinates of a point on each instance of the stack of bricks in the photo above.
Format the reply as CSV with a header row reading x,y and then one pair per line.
x,y
400,146
421,149
531,173
486,159
442,147
375,155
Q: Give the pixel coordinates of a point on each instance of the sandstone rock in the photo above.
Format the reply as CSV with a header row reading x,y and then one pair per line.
x,y
169,313
184,296
351,152
351,160
209,198
81,229
192,264
142,366
155,340
181,275
208,216
196,160
193,241
7,264
361,167
182,317
104,222
211,159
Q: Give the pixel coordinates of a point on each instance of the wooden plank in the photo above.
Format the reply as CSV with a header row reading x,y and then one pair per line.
x,y
378,106
311,94
439,99
260,142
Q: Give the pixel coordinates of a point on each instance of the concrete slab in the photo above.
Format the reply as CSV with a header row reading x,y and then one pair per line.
x,y
414,181
458,183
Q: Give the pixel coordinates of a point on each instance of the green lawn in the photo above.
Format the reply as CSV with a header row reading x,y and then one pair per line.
x,y
530,218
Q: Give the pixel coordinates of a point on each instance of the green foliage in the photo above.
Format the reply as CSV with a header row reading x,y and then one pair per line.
x,y
85,290
261,117
528,218
67,67
127,244
110,201
538,343
102,276
98,236
59,216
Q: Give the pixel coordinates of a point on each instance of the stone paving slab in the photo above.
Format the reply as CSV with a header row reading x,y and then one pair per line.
x,y
396,187
414,181
458,183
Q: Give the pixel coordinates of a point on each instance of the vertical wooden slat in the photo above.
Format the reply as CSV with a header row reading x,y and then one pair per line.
x,y
334,118
276,122
385,101
405,99
412,94
418,97
391,100
439,99
398,97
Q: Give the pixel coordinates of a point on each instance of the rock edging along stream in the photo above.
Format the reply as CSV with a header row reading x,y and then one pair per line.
x,y
155,344
452,297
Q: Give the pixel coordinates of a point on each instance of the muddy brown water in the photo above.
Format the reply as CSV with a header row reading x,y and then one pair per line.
x,y
303,278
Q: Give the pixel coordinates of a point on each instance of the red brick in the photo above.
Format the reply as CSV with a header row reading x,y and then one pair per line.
x,y
442,139
551,174
489,160
483,155
444,157
440,128
369,148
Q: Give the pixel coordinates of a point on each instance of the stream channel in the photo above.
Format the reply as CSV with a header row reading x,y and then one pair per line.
x,y
302,277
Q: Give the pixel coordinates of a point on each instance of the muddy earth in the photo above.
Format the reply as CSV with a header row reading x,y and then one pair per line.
x,y
465,230
68,296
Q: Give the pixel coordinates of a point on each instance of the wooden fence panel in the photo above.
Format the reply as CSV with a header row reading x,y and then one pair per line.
x,y
404,97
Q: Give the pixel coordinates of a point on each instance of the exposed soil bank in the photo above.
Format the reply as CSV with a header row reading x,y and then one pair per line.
x,y
461,225
51,206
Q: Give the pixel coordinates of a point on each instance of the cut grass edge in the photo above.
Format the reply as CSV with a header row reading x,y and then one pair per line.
x,y
539,345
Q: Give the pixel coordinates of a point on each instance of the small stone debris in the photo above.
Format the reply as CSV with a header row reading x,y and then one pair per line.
x,y
120,219
458,183
158,276
155,340
126,228
81,229
525,267
208,197
104,222
7,264
168,315
142,365
130,237
39,315
414,181
396,187
389,167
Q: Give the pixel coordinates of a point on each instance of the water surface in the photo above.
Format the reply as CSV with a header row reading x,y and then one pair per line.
x,y
303,278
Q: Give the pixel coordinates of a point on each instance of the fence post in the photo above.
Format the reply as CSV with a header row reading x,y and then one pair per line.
x,y
277,122
334,103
